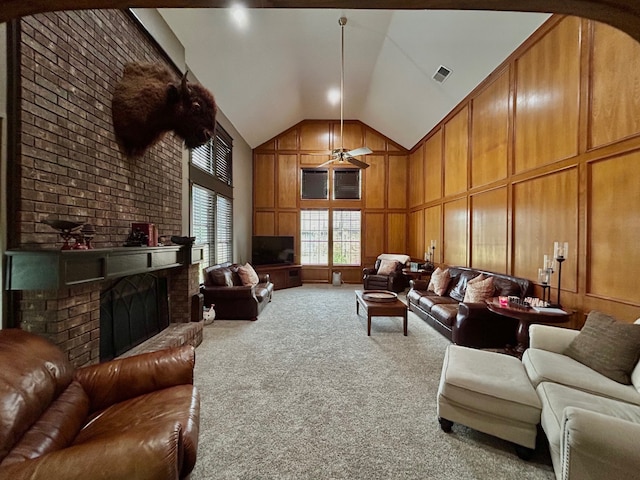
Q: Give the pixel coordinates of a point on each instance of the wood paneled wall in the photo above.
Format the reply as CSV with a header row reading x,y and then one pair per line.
x,y
277,201
546,149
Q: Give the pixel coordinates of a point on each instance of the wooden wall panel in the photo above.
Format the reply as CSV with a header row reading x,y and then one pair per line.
x,y
315,136
548,98
374,140
288,191
313,160
353,136
375,181
455,232
456,153
546,210
373,233
288,140
288,223
615,111
396,233
416,177
416,234
433,231
490,132
398,179
489,230
264,223
614,228
264,181
433,167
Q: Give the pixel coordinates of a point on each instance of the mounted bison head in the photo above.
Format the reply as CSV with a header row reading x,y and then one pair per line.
x,y
150,101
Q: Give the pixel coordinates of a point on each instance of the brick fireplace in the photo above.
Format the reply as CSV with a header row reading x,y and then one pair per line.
x,y
64,163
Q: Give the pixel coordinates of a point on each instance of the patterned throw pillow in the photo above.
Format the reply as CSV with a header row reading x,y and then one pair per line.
x,y
439,281
387,267
479,289
248,275
608,346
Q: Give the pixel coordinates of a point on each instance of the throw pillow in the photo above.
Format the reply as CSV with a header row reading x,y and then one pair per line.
x,y
608,346
248,275
387,267
479,289
221,277
439,281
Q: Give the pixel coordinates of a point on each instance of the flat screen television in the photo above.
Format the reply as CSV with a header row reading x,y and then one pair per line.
x,y
270,250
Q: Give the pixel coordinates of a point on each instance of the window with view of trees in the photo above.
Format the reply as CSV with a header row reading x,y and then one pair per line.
x,y
346,237
314,237
345,226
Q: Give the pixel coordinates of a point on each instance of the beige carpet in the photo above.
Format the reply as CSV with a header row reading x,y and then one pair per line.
x,y
303,393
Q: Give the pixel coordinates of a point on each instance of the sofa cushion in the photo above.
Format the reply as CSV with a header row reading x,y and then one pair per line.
x,y
445,313
220,277
387,267
460,287
427,302
439,281
248,275
546,366
479,289
55,429
608,346
29,383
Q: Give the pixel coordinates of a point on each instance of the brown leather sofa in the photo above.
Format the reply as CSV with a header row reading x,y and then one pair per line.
x,y
233,301
468,324
135,418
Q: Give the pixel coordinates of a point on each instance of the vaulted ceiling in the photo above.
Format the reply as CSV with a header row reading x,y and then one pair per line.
x,y
276,70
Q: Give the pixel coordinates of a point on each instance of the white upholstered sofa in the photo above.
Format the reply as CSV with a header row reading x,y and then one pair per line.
x,y
592,422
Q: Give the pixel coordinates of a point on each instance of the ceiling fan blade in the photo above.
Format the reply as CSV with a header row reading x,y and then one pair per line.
x,y
356,162
359,151
328,162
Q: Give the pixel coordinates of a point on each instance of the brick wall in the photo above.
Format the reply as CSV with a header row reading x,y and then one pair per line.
x,y
69,165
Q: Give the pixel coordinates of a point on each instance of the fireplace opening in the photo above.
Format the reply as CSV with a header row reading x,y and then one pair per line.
x,y
133,310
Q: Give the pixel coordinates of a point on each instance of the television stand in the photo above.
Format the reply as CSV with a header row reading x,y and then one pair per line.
x,y
282,275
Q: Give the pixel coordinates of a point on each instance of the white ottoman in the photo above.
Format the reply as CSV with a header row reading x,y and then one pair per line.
x,y
489,392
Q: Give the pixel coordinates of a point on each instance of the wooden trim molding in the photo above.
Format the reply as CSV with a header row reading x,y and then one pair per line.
x,y
622,14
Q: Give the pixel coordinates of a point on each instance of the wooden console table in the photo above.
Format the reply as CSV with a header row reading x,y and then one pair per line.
x,y
282,275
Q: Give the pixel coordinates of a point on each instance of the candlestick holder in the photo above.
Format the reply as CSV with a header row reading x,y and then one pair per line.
x,y
559,260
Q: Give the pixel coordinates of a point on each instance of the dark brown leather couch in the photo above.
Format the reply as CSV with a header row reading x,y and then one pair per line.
x,y
396,281
232,300
468,324
135,418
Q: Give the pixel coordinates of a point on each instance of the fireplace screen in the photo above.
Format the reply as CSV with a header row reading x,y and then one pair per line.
x,y
133,310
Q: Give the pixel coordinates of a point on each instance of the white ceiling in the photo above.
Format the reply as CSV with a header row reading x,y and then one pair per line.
x,y
277,70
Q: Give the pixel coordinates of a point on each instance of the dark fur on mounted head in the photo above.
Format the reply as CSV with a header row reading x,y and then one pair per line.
x,y
150,101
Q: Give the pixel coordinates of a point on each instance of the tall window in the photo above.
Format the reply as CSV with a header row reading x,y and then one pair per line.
x,y
210,173
314,237
346,237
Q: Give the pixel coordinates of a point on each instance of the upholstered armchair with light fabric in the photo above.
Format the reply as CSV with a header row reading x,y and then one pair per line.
x,y
387,273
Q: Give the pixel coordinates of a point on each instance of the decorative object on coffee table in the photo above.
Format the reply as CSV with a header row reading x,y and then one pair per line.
x,y
382,296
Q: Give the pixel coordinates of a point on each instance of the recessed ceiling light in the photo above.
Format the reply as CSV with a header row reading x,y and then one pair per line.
x,y
239,15
334,96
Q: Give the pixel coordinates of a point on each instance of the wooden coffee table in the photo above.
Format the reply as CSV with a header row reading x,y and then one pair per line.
x,y
395,308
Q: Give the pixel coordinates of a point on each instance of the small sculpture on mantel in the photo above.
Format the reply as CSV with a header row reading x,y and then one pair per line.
x,y
80,232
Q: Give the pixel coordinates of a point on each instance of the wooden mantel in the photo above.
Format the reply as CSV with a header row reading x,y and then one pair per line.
x,y
54,269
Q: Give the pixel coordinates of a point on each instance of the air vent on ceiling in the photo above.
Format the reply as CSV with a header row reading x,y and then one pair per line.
x,y
441,74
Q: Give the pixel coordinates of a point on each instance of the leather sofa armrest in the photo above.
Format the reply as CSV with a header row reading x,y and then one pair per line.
x,y
113,457
417,284
595,445
264,278
552,339
121,379
477,326
369,271
239,291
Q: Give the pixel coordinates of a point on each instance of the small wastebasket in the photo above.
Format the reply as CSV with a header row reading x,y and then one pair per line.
x,y
337,279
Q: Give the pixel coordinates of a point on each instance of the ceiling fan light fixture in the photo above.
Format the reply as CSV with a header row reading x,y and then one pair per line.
x,y
333,95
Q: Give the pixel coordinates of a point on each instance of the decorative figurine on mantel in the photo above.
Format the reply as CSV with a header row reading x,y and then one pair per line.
x,y
80,232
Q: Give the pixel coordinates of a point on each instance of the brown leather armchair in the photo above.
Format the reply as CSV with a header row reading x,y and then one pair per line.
x,y
135,418
396,281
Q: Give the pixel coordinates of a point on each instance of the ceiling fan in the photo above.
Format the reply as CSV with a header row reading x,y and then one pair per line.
x,y
339,154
